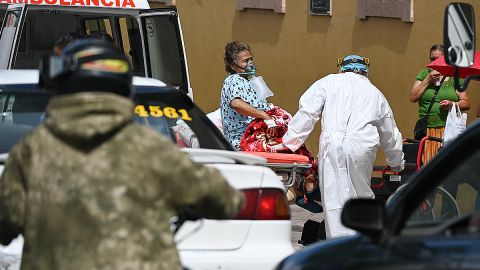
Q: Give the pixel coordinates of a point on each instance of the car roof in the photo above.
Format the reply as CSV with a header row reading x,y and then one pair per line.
x,y
26,80
30,76
24,76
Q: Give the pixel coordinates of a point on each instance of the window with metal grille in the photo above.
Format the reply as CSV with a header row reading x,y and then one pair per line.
x,y
320,7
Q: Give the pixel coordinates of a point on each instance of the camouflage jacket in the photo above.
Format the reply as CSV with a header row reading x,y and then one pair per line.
x,y
89,189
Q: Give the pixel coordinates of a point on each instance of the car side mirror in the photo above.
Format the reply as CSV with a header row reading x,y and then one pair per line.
x,y
364,215
459,34
459,41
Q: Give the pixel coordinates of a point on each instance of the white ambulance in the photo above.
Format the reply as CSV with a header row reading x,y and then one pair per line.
x,y
151,37
256,239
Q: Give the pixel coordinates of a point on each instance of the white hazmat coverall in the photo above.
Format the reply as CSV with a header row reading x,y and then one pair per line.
x,y
356,118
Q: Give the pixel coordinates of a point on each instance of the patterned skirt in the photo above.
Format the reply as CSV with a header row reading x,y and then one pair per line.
x,y
431,148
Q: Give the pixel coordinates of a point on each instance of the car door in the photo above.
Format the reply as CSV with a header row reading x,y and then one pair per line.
x,y
443,230
426,252
164,52
408,252
433,221
11,29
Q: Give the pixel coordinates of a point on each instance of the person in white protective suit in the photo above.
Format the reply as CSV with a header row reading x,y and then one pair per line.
x,y
356,118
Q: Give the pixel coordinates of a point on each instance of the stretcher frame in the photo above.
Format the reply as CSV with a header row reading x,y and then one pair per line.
x,y
293,168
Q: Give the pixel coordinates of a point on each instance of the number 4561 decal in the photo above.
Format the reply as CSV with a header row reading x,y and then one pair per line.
x,y
156,111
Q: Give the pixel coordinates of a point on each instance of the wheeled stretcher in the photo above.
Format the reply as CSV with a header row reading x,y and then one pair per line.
x,y
291,168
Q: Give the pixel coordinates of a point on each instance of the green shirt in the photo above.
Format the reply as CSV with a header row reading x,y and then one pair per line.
x,y
437,116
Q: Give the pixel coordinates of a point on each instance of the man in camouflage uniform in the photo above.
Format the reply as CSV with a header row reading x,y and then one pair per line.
x,y
89,189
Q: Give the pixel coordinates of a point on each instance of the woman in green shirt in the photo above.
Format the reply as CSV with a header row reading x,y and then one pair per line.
x,y
422,92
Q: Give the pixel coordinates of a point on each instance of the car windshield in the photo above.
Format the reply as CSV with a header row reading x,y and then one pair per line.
x,y
20,113
166,110
457,195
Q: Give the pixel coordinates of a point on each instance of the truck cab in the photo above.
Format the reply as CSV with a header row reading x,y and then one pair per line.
x,y
152,38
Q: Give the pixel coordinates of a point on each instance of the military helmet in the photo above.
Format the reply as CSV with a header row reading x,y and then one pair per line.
x,y
87,65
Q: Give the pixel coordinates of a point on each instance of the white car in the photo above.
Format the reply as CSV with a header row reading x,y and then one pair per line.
x,y
258,238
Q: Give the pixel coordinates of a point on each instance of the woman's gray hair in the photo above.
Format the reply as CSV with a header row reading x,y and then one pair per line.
x,y
232,50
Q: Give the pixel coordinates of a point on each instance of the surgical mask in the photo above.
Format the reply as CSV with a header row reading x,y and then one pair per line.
x,y
250,69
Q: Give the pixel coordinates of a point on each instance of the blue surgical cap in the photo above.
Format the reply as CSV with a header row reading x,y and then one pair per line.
x,y
353,62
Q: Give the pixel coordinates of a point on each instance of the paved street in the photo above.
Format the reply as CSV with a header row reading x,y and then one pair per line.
x,y
299,216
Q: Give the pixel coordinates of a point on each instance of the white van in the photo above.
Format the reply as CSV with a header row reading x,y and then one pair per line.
x,y
151,37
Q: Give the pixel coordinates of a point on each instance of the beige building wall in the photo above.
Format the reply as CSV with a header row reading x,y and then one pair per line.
x,y
294,49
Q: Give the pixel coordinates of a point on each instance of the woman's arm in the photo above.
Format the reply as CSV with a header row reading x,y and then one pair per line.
x,y
417,90
419,87
245,109
463,101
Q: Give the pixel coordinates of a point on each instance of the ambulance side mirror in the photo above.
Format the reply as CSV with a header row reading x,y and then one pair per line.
x,y
459,34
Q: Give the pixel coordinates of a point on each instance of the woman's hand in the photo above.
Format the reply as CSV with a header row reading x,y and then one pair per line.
x,y
433,76
446,104
271,130
419,87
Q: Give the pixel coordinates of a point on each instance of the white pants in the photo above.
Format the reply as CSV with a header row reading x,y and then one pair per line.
x,y
333,225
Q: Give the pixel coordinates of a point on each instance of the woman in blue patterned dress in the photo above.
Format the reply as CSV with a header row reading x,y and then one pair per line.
x,y
239,102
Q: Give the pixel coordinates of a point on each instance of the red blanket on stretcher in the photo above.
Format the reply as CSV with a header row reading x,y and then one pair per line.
x,y
256,139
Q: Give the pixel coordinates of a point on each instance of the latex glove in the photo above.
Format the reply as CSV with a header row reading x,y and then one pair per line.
x,y
270,123
277,148
271,127
398,168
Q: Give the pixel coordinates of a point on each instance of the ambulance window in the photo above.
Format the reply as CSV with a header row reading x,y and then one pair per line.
x,y
41,29
98,25
163,49
127,37
132,43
